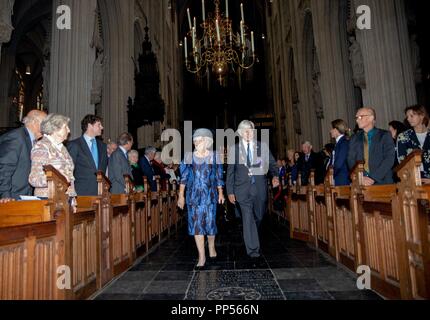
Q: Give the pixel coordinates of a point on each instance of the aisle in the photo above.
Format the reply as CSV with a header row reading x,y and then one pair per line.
x,y
288,270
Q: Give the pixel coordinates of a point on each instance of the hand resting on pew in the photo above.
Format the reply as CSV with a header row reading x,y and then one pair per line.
x,y
368,182
425,181
6,200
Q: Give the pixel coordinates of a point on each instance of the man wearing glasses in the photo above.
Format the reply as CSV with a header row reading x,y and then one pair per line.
x,y
373,146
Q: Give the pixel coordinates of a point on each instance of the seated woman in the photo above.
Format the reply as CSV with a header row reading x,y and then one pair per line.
x,y
417,138
133,158
51,151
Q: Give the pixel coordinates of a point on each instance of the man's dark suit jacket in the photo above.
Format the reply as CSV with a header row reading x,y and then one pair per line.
x,y
381,155
85,168
304,167
340,166
238,179
148,172
15,164
118,167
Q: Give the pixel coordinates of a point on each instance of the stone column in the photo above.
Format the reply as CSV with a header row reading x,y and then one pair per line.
x,y
336,77
7,68
387,62
6,9
72,61
118,26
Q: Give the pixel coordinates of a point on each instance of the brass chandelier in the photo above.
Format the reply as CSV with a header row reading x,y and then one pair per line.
x,y
216,46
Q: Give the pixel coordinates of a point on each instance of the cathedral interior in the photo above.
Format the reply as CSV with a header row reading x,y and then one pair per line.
x,y
292,66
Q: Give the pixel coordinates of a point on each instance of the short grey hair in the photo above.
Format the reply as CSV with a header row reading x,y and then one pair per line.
x,y
150,150
246,124
133,153
124,139
53,123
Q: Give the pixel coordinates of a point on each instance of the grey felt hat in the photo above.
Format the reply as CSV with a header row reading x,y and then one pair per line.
x,y
204,133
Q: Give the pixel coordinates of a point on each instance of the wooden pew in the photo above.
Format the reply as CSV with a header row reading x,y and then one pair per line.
x,y
298,206
375,239
34,252
411,210
321,213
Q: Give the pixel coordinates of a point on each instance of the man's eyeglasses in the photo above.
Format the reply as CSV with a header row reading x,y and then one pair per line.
x,y
362,116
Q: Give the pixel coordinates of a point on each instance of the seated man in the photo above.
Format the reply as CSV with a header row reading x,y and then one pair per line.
x,y
373,146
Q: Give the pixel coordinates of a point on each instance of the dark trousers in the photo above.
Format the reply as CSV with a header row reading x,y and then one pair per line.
x,y
253,208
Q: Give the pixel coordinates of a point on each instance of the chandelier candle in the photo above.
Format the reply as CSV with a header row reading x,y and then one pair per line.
x,y
252,42
226,9
217,32
203,11
189,18
241,12
186,50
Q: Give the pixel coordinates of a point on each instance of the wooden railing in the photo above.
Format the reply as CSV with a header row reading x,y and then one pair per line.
x,y
49,252
386,228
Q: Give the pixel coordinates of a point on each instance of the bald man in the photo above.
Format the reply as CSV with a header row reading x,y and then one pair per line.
x,y
15,162
373,146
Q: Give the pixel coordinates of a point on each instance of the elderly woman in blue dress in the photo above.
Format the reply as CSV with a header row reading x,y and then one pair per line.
x,y
417,138
202,178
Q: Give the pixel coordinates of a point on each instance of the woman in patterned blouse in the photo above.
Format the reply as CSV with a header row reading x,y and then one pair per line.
x,y
51,151
417,138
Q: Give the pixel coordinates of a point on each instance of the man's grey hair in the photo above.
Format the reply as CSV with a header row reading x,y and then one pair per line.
x,y
246,124
124,139
150,150
53,123
33,117
110,143
307,143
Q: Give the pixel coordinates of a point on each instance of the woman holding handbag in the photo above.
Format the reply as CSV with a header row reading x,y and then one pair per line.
x,y
202,178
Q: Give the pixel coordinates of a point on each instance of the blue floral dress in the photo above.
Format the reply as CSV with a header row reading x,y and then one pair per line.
x,y
202,178
408,142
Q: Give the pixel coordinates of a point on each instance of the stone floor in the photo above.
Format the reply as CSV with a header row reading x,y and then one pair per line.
x,y
288,270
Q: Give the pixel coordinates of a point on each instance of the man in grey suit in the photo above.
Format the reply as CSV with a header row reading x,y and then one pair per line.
x,y
119,165
89,155
247,184
15,161
373,146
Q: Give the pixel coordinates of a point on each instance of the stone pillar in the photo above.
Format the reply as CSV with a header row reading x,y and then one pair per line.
x,y
387,62
6,9
72,61
7,68
118,31
336,77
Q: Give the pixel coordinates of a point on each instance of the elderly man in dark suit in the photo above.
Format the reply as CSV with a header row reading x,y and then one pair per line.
x,y
89,155
146,167
339,157
373,146
119,164
247,182
15,162
308,161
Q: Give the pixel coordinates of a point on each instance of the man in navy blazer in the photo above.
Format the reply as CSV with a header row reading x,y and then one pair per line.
x,y
380,149
339,158
15,161
89,155
146,167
